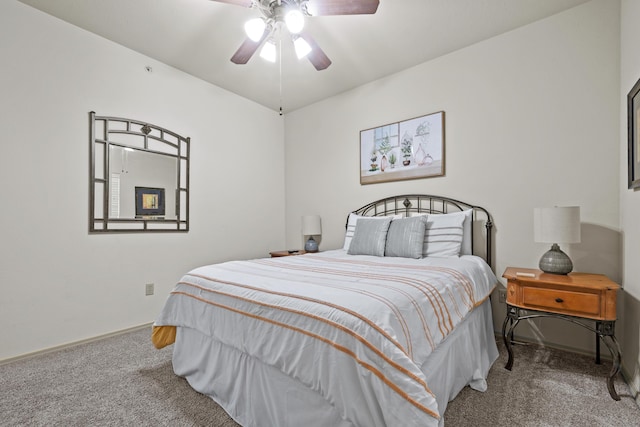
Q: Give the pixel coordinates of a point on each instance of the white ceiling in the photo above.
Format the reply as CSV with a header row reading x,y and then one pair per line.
x,y
200,36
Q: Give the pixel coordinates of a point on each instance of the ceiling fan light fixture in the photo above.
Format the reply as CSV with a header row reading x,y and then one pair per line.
x,y
255,28
276,15
268,51
302,47
294,19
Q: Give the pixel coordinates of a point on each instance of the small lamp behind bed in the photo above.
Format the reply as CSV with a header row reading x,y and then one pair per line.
x,y
311,226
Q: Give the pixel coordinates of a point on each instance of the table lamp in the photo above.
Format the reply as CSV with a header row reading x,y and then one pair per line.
x,y
556,225
311,226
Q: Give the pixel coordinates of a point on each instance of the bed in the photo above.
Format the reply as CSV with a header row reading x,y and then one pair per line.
x,y
384,331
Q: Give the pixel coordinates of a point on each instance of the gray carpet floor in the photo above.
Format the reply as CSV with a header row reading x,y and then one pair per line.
x,y
124,381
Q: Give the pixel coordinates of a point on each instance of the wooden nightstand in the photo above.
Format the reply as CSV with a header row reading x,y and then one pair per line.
x,y
276,254
574,297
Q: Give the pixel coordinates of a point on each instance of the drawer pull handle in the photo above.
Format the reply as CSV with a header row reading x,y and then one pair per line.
x,y
559,300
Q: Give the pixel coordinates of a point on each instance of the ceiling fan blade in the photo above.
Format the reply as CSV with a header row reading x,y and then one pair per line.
x,y
342,7
317,57
246,51
244,3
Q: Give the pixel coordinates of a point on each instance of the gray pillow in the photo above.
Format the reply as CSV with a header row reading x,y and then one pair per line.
x,y
369,237
405,237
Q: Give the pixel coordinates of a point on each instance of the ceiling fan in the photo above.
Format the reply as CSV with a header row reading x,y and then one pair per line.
x,y
290,14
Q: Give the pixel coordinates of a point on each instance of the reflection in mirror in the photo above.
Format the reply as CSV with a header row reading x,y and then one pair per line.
x,y
146,186
130,168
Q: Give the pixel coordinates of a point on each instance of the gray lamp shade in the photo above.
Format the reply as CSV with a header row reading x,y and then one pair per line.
x,y
556,225
311,226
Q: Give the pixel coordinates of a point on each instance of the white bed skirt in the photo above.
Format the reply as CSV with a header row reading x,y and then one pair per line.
x,y
257,395
464,358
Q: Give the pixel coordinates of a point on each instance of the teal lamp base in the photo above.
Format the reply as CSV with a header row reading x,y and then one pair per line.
x,y
554,261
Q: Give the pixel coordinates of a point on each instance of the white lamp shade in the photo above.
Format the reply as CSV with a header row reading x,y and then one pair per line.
x,y
302,47
294,20
255,28
557,224
268,51
311,225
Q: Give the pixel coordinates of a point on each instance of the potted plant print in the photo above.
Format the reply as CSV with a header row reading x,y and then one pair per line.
x,y
374,158
406,147
384,148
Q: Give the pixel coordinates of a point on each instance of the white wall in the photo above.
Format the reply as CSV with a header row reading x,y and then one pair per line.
x,y
58,284
532,119
630,200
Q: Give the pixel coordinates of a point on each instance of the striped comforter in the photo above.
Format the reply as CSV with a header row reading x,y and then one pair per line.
x,y
353,328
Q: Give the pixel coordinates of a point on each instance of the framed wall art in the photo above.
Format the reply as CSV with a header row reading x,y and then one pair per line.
x,y
633,124
149,202
410,149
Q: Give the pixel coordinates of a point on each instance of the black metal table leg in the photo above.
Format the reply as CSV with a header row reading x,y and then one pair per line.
x,y
507,336
598,327
606,330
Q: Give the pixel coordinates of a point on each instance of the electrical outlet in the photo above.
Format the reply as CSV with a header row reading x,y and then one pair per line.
x,y
502,296
148,289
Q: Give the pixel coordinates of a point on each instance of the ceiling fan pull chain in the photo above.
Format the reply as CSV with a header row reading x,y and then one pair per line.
x,y
280,72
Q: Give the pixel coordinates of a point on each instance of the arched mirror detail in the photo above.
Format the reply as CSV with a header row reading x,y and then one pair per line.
x,y
139,178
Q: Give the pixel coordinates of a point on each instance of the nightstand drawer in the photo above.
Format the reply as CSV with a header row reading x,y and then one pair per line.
x,y
565,302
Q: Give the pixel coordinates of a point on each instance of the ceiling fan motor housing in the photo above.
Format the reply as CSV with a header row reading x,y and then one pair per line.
x,y
275,11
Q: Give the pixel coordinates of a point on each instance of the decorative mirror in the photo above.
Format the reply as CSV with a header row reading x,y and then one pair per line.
x,y
139,177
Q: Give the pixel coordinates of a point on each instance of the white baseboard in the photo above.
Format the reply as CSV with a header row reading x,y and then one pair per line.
x,y
75,343
634,384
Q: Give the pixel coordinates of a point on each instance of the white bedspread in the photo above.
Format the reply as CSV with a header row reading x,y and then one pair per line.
x,y
354,329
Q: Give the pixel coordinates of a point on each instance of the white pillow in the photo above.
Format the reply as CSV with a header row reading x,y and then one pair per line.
x,y
443,236
466,247
351,226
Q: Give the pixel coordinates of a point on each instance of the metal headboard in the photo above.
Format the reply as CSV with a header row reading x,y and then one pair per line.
x,y
421,203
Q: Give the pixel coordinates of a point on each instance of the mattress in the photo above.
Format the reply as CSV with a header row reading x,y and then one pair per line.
x,y
333,339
